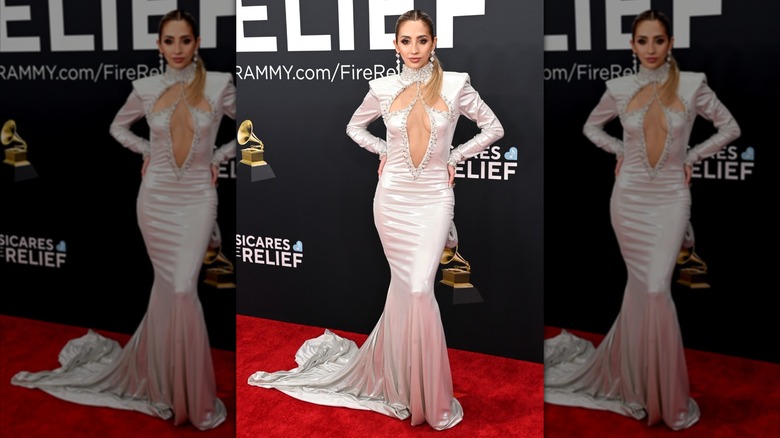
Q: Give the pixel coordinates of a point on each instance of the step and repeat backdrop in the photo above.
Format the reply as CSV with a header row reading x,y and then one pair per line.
x,y
70,247
307,250
301,231
735,45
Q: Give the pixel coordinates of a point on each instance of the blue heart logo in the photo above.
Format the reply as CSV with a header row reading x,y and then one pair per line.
x,y
298,247
511,154
61,247
749,154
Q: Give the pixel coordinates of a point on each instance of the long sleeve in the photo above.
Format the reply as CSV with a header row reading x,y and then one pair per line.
x,y
131,111
357,128
708,106
475,109
605,111
228,150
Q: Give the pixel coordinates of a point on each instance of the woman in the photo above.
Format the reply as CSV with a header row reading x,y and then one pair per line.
x,y
165,369
402,369
639,368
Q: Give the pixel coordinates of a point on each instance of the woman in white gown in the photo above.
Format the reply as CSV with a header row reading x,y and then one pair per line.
x,y
639,368
165,369
402,369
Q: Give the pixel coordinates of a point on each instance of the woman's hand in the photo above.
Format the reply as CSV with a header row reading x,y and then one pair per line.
x,y
214,174
381,165
144,166
618,164
688,172
451,170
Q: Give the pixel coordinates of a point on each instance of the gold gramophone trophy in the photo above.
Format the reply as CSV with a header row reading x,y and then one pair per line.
x,y
16,155
456,275
254,167
458,272
221,273
691,269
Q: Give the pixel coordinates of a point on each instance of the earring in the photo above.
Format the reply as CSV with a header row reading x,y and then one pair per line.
x,y
397,61
669,57
633,55
430,60
195,57
162,63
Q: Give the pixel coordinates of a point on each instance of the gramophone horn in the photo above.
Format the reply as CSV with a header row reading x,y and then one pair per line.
x,y
245,134
9,135
452,254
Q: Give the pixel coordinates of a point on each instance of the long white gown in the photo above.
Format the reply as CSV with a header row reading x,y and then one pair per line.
x,y
402,369
639,368
165,369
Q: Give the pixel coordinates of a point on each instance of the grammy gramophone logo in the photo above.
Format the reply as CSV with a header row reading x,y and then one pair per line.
x,y
221,272
691,269
15,154
457,273
253,166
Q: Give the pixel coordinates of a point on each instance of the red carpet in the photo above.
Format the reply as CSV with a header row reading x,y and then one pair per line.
x,y
501,397
34,345
737,397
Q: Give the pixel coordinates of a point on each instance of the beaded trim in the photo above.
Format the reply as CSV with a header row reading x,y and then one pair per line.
x,y
179,171
171,77
166,113
658,75
404,114
420,75
643,78
175,75
653,170
416,171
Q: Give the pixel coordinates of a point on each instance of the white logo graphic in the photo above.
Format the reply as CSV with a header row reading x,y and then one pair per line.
x,y
271,251
490,164
33,251
615,10
299,40
728,164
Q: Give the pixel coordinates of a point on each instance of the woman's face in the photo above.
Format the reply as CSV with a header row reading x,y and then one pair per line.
x,y
415,43
177,43
651,43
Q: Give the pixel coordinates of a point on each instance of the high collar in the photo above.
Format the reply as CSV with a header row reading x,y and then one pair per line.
x,y
658,75
184,75
421,75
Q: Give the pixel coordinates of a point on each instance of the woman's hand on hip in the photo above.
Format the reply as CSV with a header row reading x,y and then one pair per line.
x,y
451,170
214,174
144,166
618,164
381,166
688,172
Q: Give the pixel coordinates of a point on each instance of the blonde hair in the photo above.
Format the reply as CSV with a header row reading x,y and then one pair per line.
x,y
669,87
433,87
197,87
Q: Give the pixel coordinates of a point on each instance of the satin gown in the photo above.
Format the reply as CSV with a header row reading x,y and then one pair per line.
x,y
639,368
402,369
165,369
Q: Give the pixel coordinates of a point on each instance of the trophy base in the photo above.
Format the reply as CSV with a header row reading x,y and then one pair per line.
x,y
251,173
220,278
18,171
463,292
693,278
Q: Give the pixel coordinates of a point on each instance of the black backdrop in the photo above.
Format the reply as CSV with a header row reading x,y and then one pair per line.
x,y
321,195
64,73
735,44
84,192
